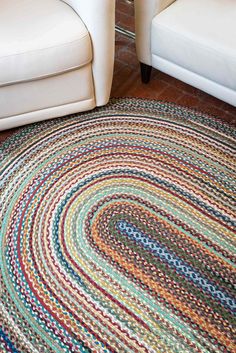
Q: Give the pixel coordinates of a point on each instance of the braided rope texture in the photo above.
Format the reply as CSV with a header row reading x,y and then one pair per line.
x,y
118,232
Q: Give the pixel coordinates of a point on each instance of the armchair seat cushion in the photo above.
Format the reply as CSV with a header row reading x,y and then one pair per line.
x,y
40,39
198,35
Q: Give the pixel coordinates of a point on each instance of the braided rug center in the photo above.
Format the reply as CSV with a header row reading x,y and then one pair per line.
x,y
118,233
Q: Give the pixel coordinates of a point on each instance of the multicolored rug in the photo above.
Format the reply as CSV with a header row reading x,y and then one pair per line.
x,y
117,233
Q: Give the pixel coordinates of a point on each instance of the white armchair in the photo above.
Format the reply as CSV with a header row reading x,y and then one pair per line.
x,y
192,40
56,58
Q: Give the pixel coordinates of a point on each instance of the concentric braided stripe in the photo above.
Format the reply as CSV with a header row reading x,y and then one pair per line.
x,y
117,233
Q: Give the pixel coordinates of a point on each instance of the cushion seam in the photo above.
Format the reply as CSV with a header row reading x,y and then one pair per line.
x,y
194,72
58,106
55,73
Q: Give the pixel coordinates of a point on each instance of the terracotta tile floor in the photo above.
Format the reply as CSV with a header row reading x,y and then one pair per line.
x,y
127,81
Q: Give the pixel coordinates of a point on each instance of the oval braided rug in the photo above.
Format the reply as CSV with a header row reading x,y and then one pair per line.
x,y
117,232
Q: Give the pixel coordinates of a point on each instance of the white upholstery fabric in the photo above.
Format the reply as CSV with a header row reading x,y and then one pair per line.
x,y
40,38
48,92
145,10
47,113
99,18
200,36
56,58
192,40
224,93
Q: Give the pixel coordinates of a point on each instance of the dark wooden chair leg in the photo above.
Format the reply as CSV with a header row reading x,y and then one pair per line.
x,y
145,72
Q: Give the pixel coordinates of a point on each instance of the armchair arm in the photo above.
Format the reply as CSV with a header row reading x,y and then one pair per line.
x,y
99,18
145,10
